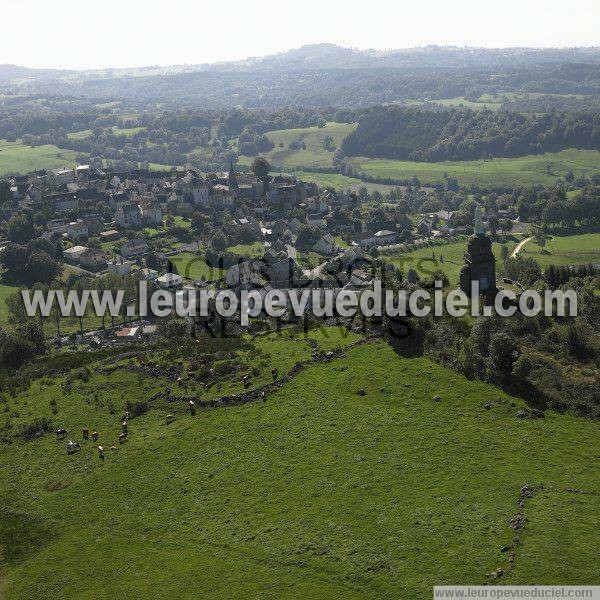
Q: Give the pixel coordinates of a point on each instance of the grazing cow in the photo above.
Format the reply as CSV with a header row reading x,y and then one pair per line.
x,y
274,373
73,447
246,380
122,438
113,448
101,452
170,419
126,416
124,426
192,405
95,436
61,433
86,433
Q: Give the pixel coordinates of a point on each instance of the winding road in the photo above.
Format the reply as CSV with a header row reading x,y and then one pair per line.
x,y
520,246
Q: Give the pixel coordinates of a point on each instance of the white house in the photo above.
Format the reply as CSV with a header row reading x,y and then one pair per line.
x,y
73,254
385,237
119,266
66,203
58,226
62,176
129,215
169,281
77,230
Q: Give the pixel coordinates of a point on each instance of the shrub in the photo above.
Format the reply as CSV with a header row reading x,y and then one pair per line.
x,y
137,409
36,428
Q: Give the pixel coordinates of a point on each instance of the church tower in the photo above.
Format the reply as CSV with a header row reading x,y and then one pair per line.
x,y
480,264
231,178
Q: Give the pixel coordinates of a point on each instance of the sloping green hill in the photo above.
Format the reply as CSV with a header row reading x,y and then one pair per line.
x,y
17,158
317,491
315,154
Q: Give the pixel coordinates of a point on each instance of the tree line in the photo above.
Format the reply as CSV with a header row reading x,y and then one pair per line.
x,y
409,133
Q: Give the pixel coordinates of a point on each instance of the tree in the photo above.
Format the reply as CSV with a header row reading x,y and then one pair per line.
x,y
218,240
198,221
493,224
14,257
19,229
503,354
41,268
15,351
152,261
261,168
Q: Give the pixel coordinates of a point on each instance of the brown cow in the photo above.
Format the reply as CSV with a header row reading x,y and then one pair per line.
x,y
86,433
274,373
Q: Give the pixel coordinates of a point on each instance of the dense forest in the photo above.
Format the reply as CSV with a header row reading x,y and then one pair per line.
x,y
460,134
325,75
337,87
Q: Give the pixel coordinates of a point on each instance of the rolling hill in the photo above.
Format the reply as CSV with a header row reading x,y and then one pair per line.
x,y
316,490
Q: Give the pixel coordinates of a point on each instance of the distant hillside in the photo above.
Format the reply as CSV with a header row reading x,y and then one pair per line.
x,y
459,134
328,75
9,73
330,56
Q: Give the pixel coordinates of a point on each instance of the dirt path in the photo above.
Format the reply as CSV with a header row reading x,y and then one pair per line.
x,y
520,246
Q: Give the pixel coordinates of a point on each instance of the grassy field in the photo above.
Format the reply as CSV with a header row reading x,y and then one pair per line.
x,y
193,266
5,291
464,103
80,135
526,170
317,492
425,261
565,250
254,249
315,154
15,157
340,182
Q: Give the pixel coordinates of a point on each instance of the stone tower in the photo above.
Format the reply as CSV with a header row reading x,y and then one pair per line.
x,y
480,264
231,177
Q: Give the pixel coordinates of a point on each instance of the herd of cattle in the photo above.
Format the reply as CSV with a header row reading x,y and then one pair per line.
x,y
73,446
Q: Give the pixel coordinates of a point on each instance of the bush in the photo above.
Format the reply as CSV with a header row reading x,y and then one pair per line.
x,y
137,409
36,428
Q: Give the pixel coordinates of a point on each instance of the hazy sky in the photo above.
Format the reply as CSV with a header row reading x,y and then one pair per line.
x,y
124,33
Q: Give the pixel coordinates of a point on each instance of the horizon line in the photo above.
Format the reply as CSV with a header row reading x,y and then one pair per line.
x,y
248,58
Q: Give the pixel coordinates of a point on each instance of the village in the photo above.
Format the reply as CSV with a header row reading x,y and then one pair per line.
x,y
182,231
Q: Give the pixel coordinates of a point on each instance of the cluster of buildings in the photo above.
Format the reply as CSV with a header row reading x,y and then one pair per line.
x,y
108,222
